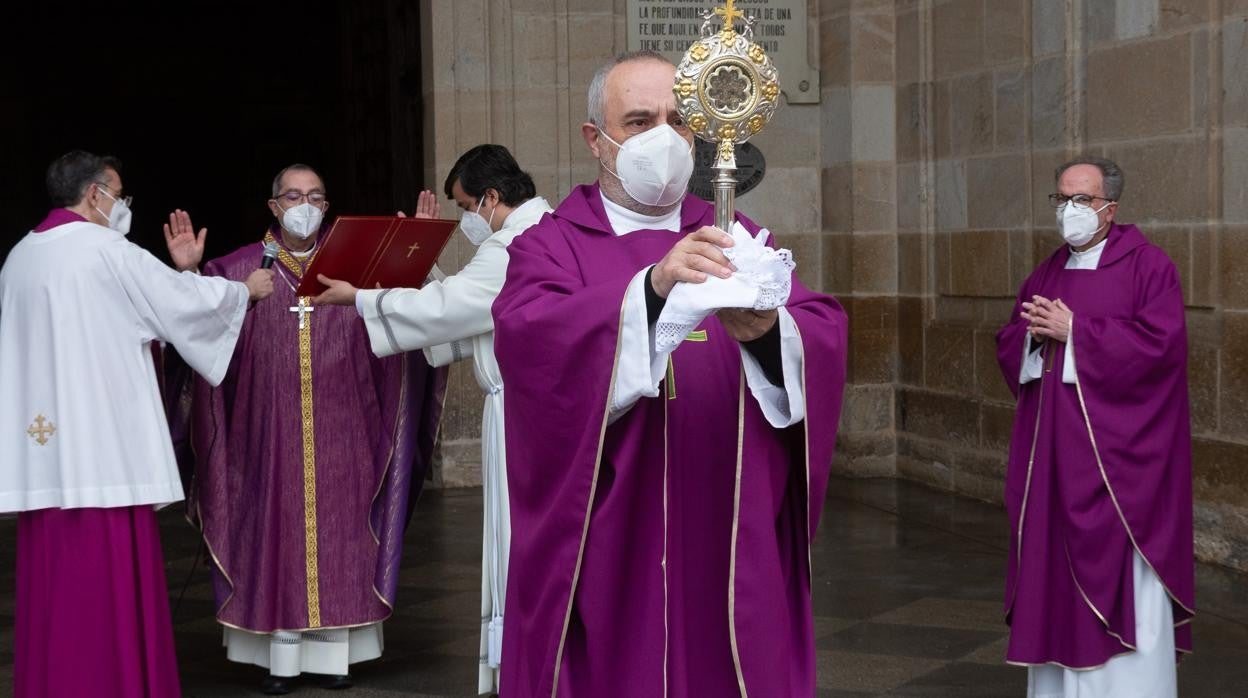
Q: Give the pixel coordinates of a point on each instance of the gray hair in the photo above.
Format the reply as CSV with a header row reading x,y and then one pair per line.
x,y
598,86
297,167
1111,174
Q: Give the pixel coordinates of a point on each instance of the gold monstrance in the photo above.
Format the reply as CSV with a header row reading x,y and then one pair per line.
x,y
726,90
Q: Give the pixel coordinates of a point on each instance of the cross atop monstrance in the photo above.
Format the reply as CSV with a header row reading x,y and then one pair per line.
x,y
726,90
729,13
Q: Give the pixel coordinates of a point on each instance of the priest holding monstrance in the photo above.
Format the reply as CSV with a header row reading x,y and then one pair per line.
x,y
675,403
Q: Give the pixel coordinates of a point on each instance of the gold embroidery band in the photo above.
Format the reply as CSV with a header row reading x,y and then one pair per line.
x,y
309,473
287,259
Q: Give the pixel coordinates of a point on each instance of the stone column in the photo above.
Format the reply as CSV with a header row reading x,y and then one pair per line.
x,y
860,221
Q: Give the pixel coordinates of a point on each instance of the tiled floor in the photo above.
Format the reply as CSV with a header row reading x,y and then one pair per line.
x,y
907,603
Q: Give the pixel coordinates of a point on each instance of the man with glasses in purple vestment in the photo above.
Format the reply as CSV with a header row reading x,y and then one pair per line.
x,y
662,501
308,459
1100,583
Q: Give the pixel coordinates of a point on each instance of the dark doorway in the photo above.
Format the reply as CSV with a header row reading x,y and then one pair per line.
x,y
205,100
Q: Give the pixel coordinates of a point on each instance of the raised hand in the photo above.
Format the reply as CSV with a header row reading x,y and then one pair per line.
x,y
186,249
699,253
427,205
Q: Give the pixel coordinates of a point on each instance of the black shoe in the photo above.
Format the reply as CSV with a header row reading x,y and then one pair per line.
x,y
277,685
336,683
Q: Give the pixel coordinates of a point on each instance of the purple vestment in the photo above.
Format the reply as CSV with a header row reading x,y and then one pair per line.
x,y
668,552
92,606
308,457
1103,466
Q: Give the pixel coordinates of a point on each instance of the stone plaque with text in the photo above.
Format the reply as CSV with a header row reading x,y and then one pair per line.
x,y
669,26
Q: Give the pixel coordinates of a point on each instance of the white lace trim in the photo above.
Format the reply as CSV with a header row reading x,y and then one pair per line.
x,y
763,281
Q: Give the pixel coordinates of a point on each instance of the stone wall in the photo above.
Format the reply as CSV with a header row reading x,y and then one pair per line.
x,y
914,191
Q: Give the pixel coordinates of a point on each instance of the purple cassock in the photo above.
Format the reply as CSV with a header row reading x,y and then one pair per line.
x,y
308,458
1102,467
665,553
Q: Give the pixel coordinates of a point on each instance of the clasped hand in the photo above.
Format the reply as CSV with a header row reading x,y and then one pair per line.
x,y
1047,318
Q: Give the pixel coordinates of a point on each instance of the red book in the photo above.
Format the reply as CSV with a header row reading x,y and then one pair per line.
x,y
371,250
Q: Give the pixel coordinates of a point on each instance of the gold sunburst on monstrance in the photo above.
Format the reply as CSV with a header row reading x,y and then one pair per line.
x,y
726,90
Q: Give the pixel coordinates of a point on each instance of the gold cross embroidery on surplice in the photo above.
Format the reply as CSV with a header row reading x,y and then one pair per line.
x,y
40,429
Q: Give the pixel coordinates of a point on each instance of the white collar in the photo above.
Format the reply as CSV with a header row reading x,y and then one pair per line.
x,y
624,221
1089,258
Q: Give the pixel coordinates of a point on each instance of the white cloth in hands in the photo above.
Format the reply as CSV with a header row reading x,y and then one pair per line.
x,y
763,281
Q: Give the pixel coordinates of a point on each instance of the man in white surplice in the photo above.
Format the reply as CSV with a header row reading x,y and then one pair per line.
x,y
449,318
85,454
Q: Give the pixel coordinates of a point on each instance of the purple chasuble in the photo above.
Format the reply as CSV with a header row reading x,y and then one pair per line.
x,y
665,554
308,458
1102,467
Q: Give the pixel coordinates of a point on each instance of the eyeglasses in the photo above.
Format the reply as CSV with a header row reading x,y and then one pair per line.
x,y
1060,200
314,197
124,200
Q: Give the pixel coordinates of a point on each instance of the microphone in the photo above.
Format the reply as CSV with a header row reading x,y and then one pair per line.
x,y
270,254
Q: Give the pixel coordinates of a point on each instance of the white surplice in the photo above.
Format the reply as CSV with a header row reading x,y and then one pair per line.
x,y
1149,671
83,421
449,318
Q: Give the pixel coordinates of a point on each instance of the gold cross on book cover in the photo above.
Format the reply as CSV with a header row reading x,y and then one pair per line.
x,y
370,250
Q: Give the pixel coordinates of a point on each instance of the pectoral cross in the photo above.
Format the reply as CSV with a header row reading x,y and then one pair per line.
x,y
41,429
415,246
303,309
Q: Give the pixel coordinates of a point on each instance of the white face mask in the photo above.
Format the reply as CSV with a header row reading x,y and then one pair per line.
x,y
475,227
119,217
1078,224
654,166
302,220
